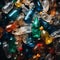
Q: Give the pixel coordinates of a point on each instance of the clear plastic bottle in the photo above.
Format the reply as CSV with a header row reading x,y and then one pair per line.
x,y
5,48
7,8
46,17
45,4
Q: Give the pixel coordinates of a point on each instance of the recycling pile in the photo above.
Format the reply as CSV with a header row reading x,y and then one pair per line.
x,y
30,29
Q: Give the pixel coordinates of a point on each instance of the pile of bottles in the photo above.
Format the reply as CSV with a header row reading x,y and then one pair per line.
x,y
29,29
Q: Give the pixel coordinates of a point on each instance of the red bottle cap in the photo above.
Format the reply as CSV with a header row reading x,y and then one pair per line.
x,y
20,49
39,44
